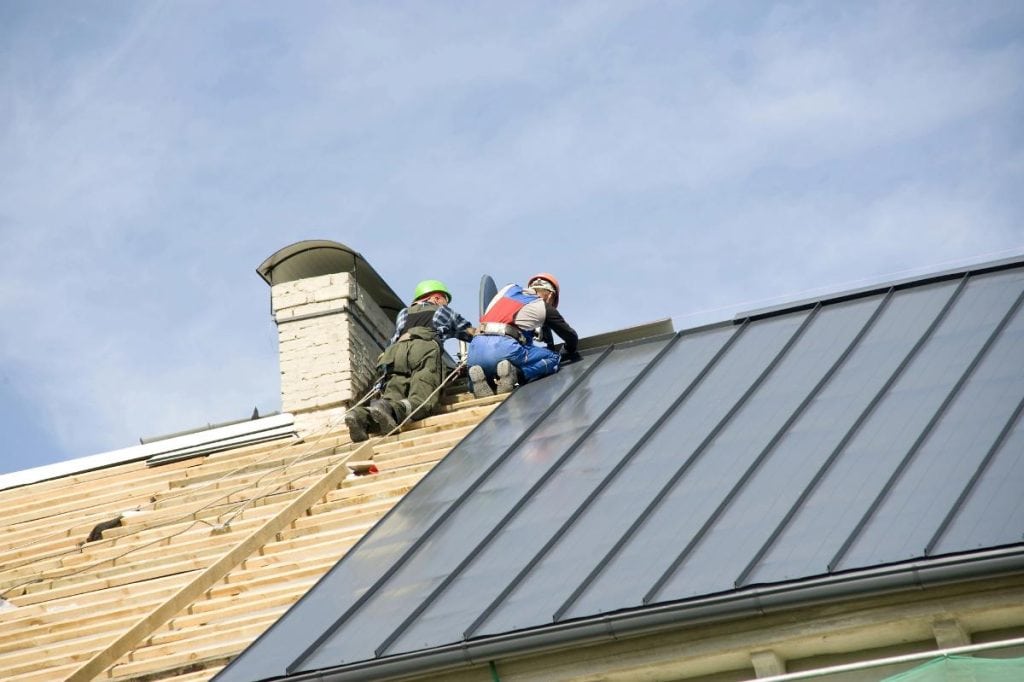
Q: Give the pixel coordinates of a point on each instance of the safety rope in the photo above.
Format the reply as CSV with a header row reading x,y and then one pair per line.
x,y
80,548
381,438
192,491
329,428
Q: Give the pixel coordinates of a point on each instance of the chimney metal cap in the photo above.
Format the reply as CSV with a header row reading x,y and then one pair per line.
x,y
315,257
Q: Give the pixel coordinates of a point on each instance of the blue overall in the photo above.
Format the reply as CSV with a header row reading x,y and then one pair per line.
x,y
488,350
533,361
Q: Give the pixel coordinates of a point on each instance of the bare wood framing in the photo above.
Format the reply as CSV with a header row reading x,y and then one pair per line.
x,y
216,571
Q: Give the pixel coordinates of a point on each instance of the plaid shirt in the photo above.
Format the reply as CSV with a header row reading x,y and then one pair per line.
x,y
447,324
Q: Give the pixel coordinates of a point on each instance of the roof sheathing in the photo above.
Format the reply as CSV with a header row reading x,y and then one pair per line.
x,y
72,598
533,493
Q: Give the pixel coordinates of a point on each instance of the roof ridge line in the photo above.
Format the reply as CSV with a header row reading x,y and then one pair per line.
x,y
881,287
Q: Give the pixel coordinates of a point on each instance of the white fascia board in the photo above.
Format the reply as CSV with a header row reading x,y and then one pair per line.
x,y
143,451
223,444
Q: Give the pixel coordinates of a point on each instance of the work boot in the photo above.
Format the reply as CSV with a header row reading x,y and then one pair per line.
x,y
506,377
356,422
382,413
481,389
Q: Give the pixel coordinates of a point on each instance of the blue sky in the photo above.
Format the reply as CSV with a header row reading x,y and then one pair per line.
x,y
665,159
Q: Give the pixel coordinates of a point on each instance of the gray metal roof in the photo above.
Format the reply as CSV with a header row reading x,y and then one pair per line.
x,y
866,437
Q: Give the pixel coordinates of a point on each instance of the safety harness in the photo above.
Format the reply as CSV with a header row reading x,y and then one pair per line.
x,y
500,319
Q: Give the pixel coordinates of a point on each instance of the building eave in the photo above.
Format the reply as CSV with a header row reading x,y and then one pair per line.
x,y
747,602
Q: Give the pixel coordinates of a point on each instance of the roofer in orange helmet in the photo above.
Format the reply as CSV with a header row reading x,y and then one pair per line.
x,y
503,353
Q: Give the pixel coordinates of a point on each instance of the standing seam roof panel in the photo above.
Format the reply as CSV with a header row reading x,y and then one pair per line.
x,y
364,631
739,521
555,567
488,564
875,428
993,514
315,615
829,491
914,479
640,554
917,400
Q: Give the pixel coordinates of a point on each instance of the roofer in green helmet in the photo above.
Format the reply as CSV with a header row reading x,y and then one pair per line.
x,y
411,364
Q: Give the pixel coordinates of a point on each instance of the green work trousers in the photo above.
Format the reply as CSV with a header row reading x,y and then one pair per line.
x,y
415,371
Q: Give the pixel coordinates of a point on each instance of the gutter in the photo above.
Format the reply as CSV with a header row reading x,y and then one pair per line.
x,y
754,601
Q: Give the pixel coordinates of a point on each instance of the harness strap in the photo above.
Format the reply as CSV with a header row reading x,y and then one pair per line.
x,y
499,329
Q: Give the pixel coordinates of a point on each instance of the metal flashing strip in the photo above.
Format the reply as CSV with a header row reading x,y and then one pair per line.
x,y
618,337
427,534
135,453
881,287
221,446
750,602
145,440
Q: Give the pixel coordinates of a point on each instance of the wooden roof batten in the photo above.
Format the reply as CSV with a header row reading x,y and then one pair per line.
x,y
140,603
215,572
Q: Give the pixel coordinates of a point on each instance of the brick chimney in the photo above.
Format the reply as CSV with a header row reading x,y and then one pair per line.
x,y
334,316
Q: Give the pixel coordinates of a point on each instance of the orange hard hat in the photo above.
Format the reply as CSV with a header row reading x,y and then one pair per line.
x,y
547,277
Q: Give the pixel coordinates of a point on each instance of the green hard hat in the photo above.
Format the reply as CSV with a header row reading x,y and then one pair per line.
x,y
429,286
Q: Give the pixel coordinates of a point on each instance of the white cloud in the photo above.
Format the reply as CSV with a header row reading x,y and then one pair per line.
x,y
705,154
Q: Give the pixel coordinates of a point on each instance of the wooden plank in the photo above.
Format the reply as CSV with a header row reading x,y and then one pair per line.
x,y
206,672
44,673
292,559
55,609
213,574
97,622
123,581
227,621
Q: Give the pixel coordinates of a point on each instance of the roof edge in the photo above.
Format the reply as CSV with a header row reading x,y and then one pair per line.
x,y
641,332
879,287
133,453
758,600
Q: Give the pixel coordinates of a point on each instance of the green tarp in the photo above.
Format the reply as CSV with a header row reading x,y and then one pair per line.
x,y
964,669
